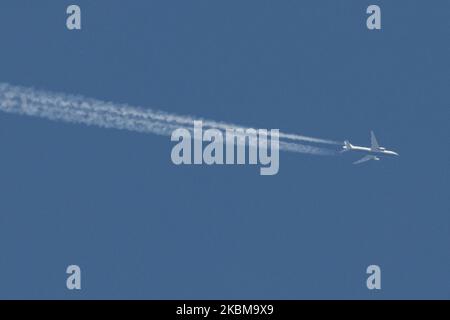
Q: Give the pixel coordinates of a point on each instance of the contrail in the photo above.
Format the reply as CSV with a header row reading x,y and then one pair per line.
x,y
78,109
224,126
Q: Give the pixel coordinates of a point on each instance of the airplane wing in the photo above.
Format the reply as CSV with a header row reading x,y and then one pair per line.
x,y
364,159
373,141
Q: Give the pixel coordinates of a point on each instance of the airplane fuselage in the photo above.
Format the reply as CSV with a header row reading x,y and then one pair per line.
x,y
373,152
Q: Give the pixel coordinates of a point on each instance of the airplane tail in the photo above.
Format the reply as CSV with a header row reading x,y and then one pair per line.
x,y
347,146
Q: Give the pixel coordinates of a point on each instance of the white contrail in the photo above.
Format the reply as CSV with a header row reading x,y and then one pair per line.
x,y
224,126
78,109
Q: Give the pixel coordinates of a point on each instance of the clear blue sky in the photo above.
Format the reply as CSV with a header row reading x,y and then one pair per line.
x,y
139,227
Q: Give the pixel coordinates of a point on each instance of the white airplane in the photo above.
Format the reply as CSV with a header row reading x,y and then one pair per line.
x,y
372,153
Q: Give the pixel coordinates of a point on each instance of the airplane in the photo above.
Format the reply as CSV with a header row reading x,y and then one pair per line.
x,y
373,152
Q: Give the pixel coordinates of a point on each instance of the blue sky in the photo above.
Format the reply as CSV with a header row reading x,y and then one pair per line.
x,y
140,227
